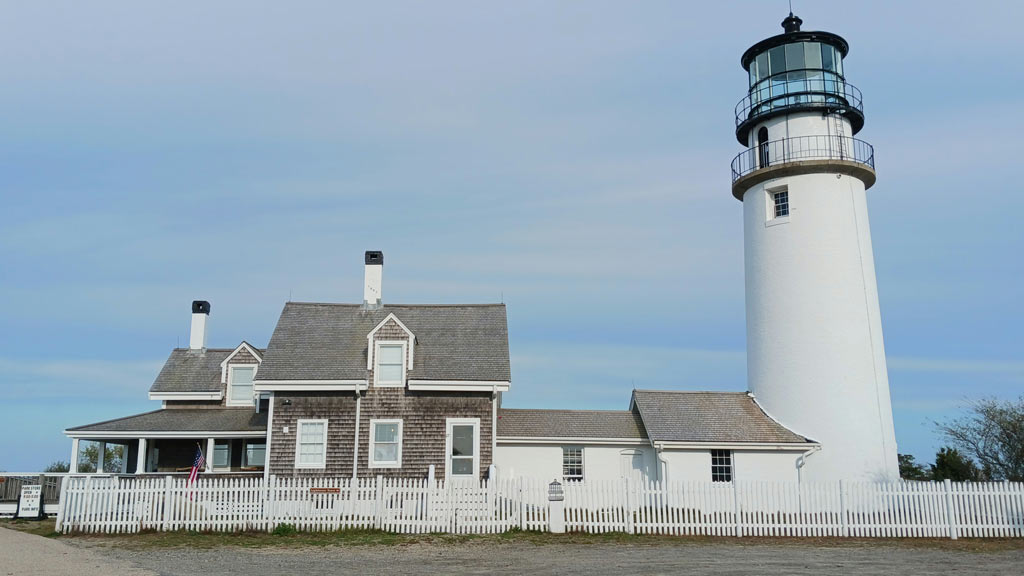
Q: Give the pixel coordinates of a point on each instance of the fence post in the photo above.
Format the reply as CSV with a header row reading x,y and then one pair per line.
x,y
950,517
167,503
736,507
630,518
61,501
556,508
522,503
842,509
269,510
378,504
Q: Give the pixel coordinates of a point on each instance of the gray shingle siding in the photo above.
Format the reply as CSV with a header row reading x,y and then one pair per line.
x,y
708,417
184,420
517,423
329,342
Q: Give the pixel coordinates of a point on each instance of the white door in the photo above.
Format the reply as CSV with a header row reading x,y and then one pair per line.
x,y
632,465
462,448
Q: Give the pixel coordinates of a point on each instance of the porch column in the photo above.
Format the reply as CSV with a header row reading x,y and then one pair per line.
x,y
101,457
209,454
140,461
73,463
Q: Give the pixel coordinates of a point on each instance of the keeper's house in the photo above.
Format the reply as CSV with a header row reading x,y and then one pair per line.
x,y
374,389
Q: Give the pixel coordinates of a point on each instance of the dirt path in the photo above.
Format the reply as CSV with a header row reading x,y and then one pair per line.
x,y
29,555
575,559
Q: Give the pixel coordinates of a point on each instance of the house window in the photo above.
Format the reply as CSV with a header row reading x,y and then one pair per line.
x,y
572,463
311,444
463,447
721,465
240,385
390,364
221,455
255,454
780,202
385,443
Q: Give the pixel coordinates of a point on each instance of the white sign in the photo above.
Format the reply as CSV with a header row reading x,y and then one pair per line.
x,y
31,498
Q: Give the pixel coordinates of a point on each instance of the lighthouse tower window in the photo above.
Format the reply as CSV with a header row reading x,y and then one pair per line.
x,y
780,201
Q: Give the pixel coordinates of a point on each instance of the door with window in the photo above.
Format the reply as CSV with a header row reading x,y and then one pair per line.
x,y
462,448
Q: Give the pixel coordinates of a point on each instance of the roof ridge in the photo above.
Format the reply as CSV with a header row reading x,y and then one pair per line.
x,y
567,410
386,306
695,392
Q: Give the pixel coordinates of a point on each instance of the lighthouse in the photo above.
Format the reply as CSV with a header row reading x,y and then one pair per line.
x,y
815,355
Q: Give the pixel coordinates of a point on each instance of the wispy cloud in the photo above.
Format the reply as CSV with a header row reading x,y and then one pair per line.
x,y
75,378
956,366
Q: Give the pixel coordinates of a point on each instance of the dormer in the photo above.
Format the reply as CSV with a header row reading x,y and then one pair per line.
x,y
390,353
237,373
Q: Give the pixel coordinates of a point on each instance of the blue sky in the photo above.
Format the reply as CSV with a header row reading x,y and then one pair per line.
x,y
570,158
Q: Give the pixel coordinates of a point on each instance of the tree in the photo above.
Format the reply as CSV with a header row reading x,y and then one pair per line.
x,y
950,464
992,434
911,470
57,466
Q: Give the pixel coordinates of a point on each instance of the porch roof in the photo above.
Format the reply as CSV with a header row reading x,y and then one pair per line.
x,y
183,421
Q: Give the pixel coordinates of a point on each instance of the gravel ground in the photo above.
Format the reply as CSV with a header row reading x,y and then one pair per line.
x,y
591,560
29,555
26,554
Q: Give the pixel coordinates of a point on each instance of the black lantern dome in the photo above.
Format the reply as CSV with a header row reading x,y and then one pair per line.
x,y
797,71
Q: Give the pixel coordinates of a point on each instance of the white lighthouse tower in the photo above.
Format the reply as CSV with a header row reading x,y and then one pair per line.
x,y
815,357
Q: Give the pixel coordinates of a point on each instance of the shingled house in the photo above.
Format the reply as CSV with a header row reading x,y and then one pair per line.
x,y
377,389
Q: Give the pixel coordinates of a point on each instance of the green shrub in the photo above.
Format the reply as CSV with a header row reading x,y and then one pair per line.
x,y
284,530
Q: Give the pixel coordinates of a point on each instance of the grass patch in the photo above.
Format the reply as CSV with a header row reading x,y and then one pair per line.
x,y
286,536
43,527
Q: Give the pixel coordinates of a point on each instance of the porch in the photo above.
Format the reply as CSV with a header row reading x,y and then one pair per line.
x,y
165,441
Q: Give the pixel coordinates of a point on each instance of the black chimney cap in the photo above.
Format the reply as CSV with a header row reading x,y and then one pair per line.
x,y
791,23
375,257
200,307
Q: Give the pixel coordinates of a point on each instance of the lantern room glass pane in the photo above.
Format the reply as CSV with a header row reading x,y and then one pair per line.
x,y
812,55
762,65
839,63
828,57
777,59
795,56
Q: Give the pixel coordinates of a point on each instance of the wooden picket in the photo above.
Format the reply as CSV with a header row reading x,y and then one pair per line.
x,y
99,504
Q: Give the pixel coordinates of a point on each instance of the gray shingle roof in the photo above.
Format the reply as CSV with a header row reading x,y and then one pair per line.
x,y
184,420
328,342
708,417
191,371
570,424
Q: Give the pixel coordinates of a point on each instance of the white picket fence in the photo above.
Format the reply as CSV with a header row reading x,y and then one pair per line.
x,y
402,505
903,509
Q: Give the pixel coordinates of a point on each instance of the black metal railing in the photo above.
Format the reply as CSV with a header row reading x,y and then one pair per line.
x,y
802,148
809,91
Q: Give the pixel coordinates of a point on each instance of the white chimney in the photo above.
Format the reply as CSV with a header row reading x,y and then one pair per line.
x,y
200,313
372,283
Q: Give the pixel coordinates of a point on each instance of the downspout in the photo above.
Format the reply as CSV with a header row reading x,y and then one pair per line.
x,y
355,442
269,446
494,422
662,462
801,460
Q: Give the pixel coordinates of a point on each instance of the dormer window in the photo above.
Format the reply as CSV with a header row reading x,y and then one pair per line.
x,y
390,368
240,385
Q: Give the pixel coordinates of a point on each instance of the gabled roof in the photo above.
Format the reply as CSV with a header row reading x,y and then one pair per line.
x,y
182,420
605,424
192,371
328,342
671,416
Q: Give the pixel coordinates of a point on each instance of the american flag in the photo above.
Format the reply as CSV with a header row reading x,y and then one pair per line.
x,y
199,463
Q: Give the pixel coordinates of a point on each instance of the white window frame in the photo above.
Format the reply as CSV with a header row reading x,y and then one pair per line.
x,y
298,445
373,441
213,463
771,219
376,363
230,400
245,451
723,469
583,466
449,436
